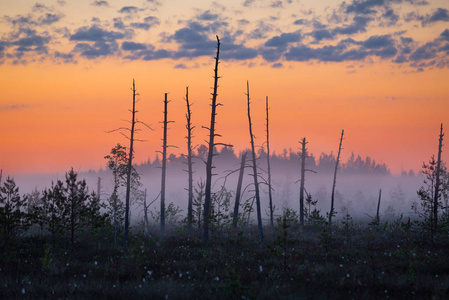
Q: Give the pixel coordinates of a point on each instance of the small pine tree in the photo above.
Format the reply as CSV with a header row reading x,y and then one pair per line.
x,y
13,215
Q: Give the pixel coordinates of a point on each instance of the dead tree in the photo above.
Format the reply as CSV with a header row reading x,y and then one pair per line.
x,y
270,197
303,173
189,170
238,193
378,207
331,213
132,131
130,163
164,162
212,144
437,182
255,175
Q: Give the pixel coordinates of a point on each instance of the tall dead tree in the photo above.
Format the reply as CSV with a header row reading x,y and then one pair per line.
x,y
211,144
238,193
303,173
130,163
189,170
164,162
270,196
331,213
255,175
437,181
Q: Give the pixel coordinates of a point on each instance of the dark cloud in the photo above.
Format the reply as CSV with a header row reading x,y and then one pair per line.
x,y
248,3
39,7
364,7
29,41
261,31
233,51
159,54
50,18
129,10
180,66
207,16
299,22
95,50
391,17
276,4
445,35
100,3
277,66
282,41
65,57
94,34
441,14
345,50
378,41
322,34
358,25
118,23
425,52
146,24
131,46
35,20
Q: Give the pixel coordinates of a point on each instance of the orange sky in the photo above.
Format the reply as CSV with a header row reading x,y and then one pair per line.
x,y
54,113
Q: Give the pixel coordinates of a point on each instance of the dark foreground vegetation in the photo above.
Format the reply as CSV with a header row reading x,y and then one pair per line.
x,y
351,261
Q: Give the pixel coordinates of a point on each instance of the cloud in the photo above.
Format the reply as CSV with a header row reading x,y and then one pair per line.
x,y
345,50
118,23
146,24
14,107
94,34
282,41
50,18
364,7
391,17
445,35
277,66
95,50
425,52
65,57
248,3
322,34
378,41
441,14
358,25
207,16
180,66
131,46
276,4
100,3
129,10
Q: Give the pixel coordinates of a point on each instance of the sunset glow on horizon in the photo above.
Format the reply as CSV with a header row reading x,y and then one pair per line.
x,y
378,69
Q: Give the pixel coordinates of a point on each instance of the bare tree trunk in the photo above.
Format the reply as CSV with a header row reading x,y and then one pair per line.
x,y
145,212
437,182
189,163
378,207
301,189
239,191
210,155
256,183
130,164
270,196
98,188
164,165
331,213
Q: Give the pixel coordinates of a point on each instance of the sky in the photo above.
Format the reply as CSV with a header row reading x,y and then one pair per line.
x,y
378,69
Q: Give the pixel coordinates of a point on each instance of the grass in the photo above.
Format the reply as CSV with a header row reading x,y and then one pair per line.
x,y
292,263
